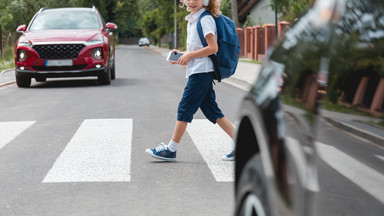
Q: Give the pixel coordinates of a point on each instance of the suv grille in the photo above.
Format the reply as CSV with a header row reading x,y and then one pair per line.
x,y
59,51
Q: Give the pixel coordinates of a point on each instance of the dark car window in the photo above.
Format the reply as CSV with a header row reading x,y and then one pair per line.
x,y
67,20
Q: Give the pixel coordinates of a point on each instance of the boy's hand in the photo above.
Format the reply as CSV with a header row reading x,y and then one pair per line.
x,y
178,51
184,59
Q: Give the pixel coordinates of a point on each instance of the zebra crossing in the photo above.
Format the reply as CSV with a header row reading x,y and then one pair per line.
x,y
100,150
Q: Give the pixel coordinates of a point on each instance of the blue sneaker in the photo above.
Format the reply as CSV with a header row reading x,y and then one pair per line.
x,y
162,152
230,156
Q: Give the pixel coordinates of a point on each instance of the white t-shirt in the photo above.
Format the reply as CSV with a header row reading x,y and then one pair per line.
x,y
203,64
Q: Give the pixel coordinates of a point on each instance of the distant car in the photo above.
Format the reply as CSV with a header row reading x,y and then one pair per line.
x,y
144,42
332,55
65,42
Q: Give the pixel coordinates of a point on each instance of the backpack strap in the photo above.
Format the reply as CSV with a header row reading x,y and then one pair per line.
x,y
204,42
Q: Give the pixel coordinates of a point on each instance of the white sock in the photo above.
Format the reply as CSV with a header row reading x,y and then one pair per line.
x,y
172,146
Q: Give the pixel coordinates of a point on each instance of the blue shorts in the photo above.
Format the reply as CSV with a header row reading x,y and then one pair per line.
x,y
199,93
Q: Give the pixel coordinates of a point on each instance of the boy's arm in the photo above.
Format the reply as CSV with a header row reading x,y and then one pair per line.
x,y
212,48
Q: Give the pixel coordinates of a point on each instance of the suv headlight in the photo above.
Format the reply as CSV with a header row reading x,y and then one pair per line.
x,y
24,44
93,42
21,55
97,53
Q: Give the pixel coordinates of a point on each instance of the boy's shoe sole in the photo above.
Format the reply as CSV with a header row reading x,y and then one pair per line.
x,y
149,151
228,159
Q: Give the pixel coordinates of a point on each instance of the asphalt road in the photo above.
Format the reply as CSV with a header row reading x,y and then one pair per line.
x,y
71,147
64,134
351,174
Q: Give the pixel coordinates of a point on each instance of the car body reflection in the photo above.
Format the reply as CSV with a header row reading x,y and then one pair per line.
x,y
313,117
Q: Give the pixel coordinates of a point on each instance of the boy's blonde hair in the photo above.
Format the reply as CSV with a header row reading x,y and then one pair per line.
x,y
213,7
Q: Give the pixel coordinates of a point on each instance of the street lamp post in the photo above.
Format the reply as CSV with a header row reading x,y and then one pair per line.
x,y
275,18
175,26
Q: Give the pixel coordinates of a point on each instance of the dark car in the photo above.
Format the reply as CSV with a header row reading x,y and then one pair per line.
x,y
309,139
65,42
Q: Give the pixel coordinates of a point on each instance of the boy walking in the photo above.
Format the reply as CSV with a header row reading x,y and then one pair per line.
x,y
198,92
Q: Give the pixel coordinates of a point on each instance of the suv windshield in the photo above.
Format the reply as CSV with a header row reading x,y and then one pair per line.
x,y
66,20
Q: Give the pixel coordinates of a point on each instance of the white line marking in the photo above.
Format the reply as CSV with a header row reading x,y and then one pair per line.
x,y
380,157
10,130
365,177
100,151
213,143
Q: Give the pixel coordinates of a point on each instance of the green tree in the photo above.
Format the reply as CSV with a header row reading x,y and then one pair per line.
x,y
157,18
289,9
125,15
249,22
122,12
225,8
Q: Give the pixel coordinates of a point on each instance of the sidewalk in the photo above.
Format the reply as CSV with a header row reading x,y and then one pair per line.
x,y
245,76
7,77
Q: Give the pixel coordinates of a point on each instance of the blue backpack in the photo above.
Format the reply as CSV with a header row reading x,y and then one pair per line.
x,y
226,59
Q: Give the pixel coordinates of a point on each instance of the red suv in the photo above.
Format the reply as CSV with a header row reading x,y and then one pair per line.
x,y
65,42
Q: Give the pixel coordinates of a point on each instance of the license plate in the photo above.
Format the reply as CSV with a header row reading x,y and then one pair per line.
x,y
56,63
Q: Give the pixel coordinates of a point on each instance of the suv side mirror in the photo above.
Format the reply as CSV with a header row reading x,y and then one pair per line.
x,y
21,28
111,27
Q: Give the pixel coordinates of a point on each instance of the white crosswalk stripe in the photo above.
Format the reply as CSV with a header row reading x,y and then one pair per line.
x,y
380,157
365,177
10,130
213,143
100,151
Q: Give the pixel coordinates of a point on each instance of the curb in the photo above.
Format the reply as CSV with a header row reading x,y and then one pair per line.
x,y
364,134
5,83
238,83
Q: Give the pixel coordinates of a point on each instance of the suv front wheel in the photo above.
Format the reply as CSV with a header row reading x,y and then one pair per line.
x,y
22,81
251,197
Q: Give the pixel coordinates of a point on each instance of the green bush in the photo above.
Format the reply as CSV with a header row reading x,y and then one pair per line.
x,y
6,60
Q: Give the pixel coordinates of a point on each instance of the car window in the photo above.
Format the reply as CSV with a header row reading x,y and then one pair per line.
x,y
67,20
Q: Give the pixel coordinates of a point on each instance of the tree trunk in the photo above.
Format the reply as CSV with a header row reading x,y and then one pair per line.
x,y
235,16
1,41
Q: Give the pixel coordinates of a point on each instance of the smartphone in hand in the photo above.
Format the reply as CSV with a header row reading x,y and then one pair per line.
x,y
174,56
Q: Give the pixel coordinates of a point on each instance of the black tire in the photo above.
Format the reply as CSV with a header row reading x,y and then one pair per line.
x,y
251,194
113,70
23,82
104,78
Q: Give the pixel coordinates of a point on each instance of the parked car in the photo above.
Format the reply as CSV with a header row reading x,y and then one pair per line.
x,y
65,42
144,42
331,57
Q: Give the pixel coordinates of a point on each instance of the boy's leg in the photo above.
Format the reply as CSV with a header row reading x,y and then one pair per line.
x,y
179,131
226,125
193,96
214,114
